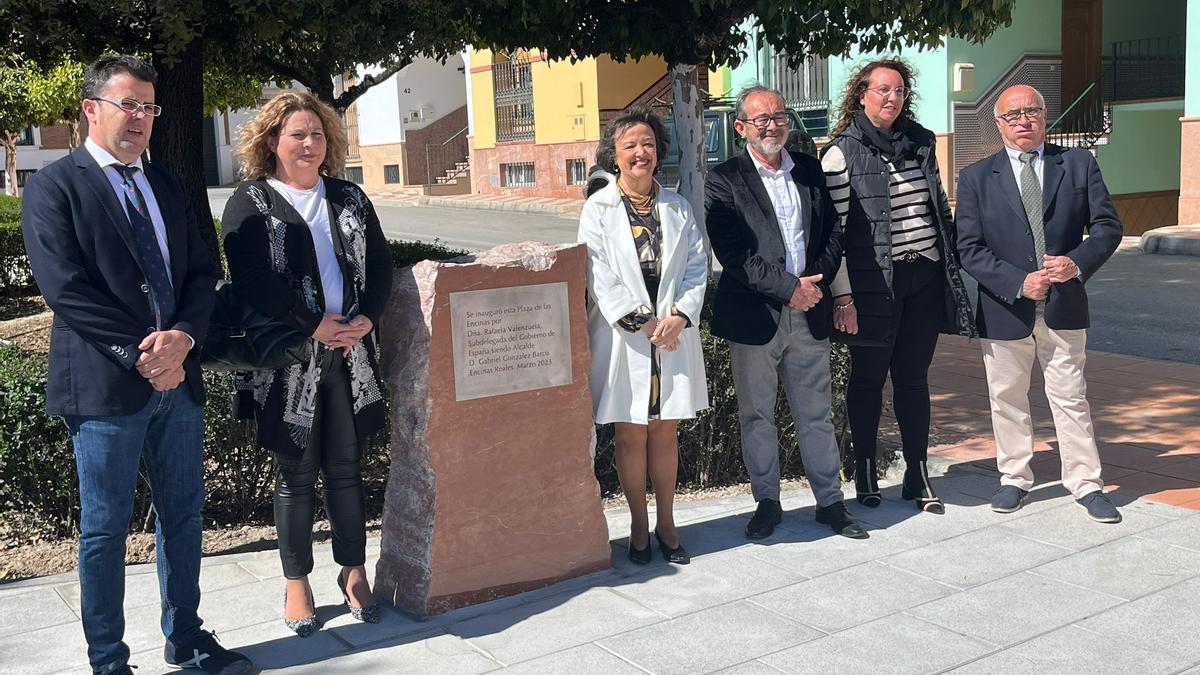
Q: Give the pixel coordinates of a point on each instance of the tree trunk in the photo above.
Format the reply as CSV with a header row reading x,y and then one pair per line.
x,y
73,137
688,110
179,135
9,140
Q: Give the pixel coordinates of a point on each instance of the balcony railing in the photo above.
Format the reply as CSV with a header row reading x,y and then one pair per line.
x,y
447,160
1146,68
1085,121
513,85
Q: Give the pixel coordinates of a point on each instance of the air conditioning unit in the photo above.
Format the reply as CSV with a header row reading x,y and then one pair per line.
x,y
419,115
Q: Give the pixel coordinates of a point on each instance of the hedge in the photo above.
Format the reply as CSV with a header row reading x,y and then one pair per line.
x,y
38,484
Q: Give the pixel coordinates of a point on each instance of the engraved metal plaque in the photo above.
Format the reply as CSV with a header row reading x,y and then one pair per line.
x,y
507,340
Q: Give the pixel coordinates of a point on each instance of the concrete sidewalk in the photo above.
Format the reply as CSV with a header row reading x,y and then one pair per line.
x,y
1044,589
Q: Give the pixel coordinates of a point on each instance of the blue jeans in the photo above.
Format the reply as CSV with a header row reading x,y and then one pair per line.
x,y
168,436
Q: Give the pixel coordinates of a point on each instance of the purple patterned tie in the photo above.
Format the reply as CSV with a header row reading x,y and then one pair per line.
x,y
161,294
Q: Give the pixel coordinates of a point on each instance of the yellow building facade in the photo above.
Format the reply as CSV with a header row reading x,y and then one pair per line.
x,y
536,123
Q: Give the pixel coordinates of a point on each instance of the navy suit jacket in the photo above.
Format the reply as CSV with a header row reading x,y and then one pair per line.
x,y
81,248
744,233
996,244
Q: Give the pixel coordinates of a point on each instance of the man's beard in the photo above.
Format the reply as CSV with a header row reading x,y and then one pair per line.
x,y
767,146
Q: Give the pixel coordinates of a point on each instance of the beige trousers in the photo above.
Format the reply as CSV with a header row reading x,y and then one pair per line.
x,y
1008,364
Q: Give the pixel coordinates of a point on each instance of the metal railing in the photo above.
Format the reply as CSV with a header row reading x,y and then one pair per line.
x,y
1085,121
447,160
1146,68
512,81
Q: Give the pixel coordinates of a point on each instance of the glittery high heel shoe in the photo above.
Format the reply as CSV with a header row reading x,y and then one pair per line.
x,y
304,626
365,614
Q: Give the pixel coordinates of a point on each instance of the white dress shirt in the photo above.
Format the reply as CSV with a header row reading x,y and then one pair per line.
x,y
110,164
785,197
1014,160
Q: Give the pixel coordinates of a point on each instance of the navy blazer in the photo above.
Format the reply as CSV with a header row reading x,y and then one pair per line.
x,y
996,244
81,248
745,236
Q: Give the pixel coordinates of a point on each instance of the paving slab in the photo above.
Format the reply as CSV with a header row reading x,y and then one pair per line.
x,y
1166,621
1184,532
976,557
1068,526
855,595
421,654
38,608
896,644
589,659
1127,568
1070,650
709,640
1015,608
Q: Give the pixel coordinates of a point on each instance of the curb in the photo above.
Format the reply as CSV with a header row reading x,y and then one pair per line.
x,y
1173,240
561,210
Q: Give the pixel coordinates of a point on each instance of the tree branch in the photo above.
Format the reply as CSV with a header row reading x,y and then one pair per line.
x,y
351,95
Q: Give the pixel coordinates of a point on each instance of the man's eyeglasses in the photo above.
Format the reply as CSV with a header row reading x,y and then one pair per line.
x,y
133,106
885,91
761,121
1012,116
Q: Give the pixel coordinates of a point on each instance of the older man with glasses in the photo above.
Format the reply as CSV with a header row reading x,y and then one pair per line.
x,y
1021,218
772,225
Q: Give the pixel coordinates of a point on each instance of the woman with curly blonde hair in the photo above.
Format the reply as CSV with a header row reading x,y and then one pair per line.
x,y
306,248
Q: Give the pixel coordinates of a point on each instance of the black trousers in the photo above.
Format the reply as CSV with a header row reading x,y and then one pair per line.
x,y
334,453
918,308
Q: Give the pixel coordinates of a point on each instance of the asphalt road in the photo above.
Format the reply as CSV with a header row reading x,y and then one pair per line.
x,y
1141,305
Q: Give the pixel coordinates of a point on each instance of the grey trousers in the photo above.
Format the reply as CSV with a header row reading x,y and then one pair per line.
x,y
802,362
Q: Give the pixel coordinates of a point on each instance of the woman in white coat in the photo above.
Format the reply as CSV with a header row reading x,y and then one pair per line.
x,y
647,269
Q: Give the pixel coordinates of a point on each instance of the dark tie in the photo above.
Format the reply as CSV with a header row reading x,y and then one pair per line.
x,y
1031,197
161,294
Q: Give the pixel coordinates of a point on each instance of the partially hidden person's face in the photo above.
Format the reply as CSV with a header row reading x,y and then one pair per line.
x,y
1022,118
300,146
637,152
124,135
765,126
883,101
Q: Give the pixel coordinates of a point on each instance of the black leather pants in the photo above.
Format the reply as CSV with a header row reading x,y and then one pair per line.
x,y
333,451
918,306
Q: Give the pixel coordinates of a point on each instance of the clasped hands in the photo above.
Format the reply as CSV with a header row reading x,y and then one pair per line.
x,y
161,362
664,333
331,332
807,294
1056,270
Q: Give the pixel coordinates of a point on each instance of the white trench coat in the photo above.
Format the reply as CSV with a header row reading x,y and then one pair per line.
x,y
620,377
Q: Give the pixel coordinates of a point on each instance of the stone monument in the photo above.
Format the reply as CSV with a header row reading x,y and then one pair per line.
x,y
492,490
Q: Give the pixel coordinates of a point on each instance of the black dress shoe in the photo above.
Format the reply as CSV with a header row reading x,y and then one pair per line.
x,y
206,655
1009,498
766,517
917,488
840,521
639,556
672,555
866,487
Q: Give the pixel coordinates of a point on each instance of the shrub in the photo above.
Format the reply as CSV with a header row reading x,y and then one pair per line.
x,y
10,209
405,253
15,274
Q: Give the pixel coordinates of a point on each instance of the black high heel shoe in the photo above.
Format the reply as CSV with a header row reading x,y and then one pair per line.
x,y
866,487
917,488
365,614
639,556
672,555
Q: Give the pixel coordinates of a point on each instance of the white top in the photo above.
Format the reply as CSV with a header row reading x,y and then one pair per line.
x,y
314,209
1014,160
786,200
911,200
110,164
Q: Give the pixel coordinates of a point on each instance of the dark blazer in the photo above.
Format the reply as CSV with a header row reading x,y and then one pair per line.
x,y
996,244
744,234
81,248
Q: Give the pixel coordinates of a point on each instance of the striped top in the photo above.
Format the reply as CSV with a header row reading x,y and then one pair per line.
x,y
912,217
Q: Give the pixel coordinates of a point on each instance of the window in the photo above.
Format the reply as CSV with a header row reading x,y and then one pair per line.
x,y
354,174
576,172
512,81
25,137
518,175
391,173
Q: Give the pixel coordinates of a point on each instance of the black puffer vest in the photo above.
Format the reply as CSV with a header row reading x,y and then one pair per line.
x,y
867,241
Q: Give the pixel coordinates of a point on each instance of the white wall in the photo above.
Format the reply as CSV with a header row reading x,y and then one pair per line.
x,y
225,159
383,111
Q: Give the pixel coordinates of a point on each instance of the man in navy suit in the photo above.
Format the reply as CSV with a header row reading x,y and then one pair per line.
x,y
773,227
1021,217
117,256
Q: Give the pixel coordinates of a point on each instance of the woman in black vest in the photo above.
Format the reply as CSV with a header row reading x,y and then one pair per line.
x,y
899,285
306,249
